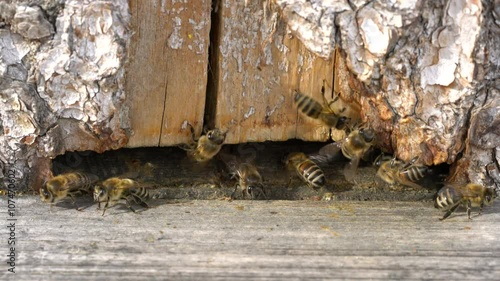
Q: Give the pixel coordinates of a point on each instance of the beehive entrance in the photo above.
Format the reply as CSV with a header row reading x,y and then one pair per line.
x,y
170,175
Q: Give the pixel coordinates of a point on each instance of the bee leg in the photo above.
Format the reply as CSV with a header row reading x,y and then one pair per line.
x,y
105,207
289,182
449,212
144,204
481,208
193,136
233,197
410,184
141,202
74,202
263,192
468,209
130,205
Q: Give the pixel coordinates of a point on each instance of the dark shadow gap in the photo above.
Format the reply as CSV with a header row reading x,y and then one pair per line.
x,y
170,174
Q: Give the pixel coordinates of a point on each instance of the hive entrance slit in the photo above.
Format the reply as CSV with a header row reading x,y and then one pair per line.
x,y
170,175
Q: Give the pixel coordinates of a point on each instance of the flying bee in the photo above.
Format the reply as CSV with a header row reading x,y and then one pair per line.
x,y
306,169
450,197
249,179
207,146
316,110
353,147
115,189
394,171
335,114
67,185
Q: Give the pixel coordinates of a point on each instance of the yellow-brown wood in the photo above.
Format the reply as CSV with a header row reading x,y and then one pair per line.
x,y
258,66
167,73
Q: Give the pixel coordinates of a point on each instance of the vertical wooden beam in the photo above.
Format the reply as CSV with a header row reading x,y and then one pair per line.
x,y
258,66
187,56
166,77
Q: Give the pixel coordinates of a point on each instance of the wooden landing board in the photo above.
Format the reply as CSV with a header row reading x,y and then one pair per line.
x,y
167,73
258,65
245,240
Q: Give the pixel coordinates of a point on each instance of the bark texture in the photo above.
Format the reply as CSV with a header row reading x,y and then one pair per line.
x,y
429,73
61,81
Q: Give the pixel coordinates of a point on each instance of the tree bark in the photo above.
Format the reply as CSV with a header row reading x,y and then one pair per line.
x,y
61,82
429,73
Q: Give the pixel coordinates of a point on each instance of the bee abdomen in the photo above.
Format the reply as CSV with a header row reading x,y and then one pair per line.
x,y
312,173
81,180
141,192
446,198
414,173
308,105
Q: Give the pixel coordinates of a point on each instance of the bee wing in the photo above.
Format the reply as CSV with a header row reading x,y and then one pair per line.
x,y
350,169
84,181
232,162
327,153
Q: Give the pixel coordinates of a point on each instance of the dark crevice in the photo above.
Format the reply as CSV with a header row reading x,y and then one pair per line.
x,y
212,67
174,176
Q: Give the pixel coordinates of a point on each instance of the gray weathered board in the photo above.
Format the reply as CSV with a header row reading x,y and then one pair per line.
x,y
200,240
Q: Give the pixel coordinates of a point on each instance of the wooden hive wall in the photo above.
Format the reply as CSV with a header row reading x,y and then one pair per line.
x,y
255,65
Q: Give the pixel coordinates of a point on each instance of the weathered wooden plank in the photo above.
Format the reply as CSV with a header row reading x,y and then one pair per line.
x,y
258,65
256,239
167,72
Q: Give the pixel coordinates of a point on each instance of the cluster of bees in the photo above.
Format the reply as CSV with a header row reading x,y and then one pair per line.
x,y
359,141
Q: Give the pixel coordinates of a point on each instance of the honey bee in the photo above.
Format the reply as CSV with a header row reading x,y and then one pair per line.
x,y
316,110
450,197
335,114
306,169
67,185
207,146
249,179
353,147
394,171
115,189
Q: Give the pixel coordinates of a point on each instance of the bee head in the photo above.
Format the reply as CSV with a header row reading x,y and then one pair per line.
x,y
342,122
99,193
489,196
253,189
45,195
216,136
367,134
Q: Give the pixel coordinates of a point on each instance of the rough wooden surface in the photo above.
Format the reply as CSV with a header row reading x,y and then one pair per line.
x,y
61,81
257,66
219,240
167,74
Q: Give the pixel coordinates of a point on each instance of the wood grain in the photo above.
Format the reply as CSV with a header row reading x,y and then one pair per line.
x,y
167,74
219,240
258,66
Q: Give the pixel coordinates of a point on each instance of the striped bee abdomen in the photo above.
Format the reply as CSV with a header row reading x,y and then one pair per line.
x,y
414,173
311,173
308,105
447,197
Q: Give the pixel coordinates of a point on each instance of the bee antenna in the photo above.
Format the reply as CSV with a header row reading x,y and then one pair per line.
x,y
379,158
